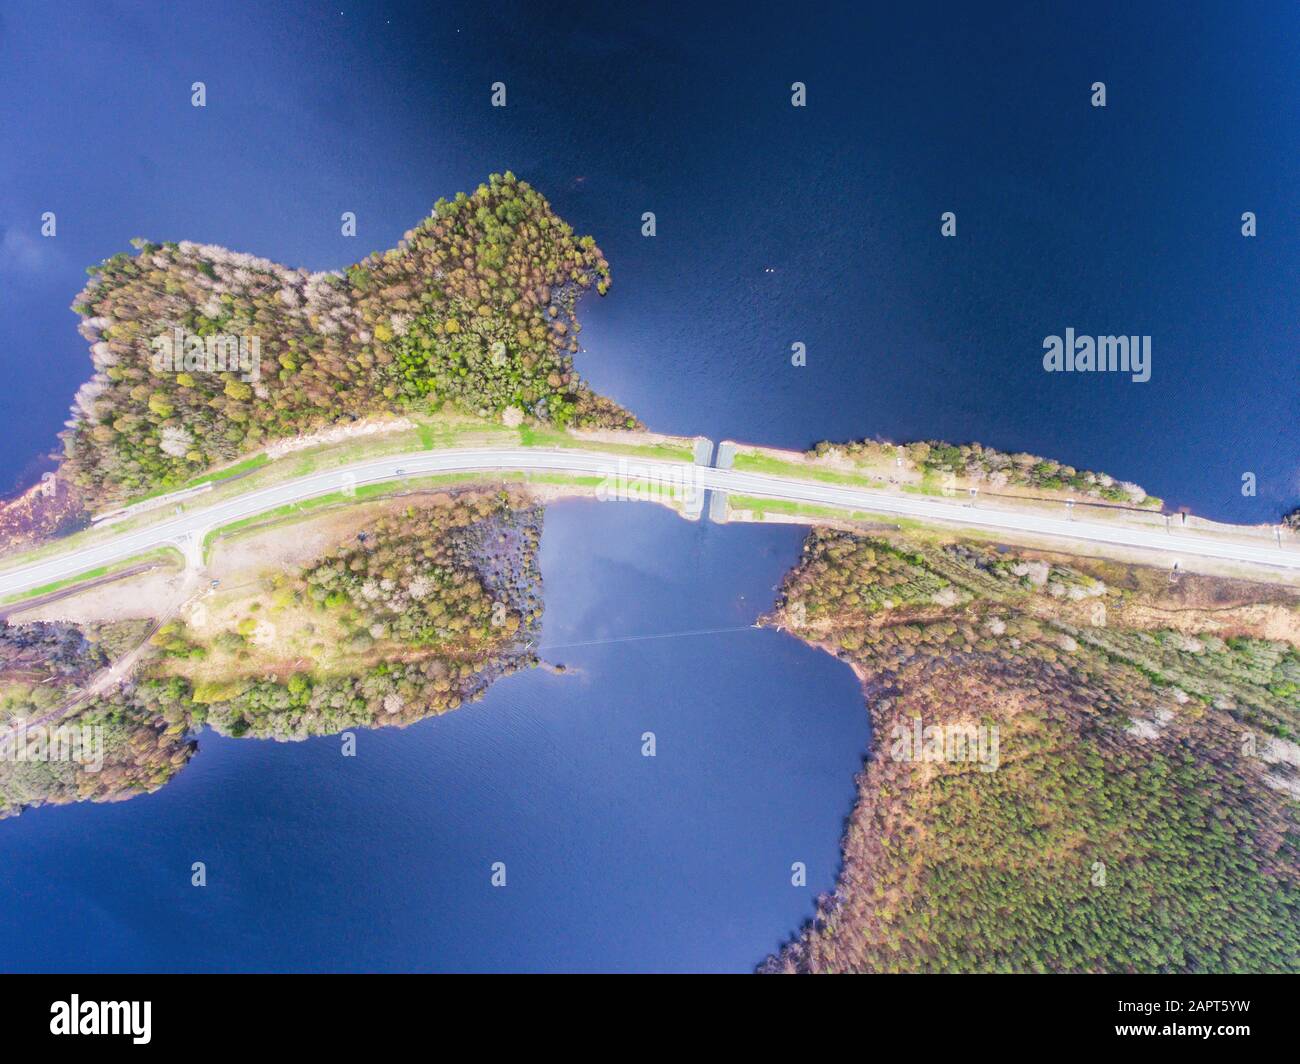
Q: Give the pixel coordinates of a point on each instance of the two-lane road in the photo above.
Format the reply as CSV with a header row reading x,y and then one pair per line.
x,y
1247,549
199,520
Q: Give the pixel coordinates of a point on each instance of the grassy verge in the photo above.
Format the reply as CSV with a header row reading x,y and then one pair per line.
x,y
432,431
164,553
291,512
663,452
761,507
749,462
246,466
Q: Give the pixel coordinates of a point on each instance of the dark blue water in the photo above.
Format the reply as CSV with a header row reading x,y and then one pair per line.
x,y
614,861
1122,220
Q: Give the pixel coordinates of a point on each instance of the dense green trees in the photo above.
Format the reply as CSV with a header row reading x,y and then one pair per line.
x,y
474,307
42,666
446,595
997,469
408,581
1130,824
436,603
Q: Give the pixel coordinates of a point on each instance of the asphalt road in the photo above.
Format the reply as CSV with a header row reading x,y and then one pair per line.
x,y
191,526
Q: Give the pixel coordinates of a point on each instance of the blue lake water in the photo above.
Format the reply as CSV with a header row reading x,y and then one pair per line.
x,y
1123,220
775,225
614,860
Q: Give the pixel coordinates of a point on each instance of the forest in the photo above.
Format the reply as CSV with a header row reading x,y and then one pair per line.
x,y
474,308
42,666
995,469
431,603
1143,815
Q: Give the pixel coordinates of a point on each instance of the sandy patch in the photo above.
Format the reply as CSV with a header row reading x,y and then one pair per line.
x,y
636,439
337,434
145,595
